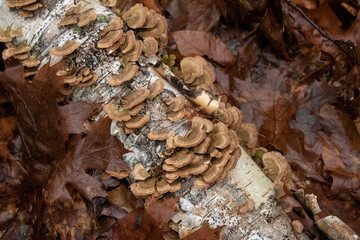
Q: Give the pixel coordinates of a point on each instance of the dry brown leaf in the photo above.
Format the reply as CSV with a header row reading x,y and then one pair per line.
x,y
205,233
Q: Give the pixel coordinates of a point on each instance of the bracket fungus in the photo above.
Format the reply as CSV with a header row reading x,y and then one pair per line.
x,y
113,112
191,68
78,15
176,110
110,38
86,18
136,97
31,62
143,188
108,3
115,24
160,135
135,110
5,36
13,50
150,46
129,41
135,17
68,48
194,138
140,172
137,121
25,7
135,53
156,88
248,135
162,186
126,74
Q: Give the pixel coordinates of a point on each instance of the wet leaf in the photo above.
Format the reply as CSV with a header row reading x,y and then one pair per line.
x,y
193,43
97,150
146,224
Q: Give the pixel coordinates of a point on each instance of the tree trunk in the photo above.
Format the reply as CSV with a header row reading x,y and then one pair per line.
x,y
219,204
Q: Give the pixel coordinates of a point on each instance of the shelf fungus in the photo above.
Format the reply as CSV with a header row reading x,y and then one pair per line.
x,y
176,110
80,77
135,53
109,39
68,48
13,50
137,121
150,46
194,138
248,135
129,41
156,88
139,172
135,17
78,15
160,135
115,24
31,62
125,75
143,188
136,97
25,7
108,3
114,113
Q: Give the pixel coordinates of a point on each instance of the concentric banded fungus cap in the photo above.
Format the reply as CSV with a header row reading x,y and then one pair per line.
x,y
200,183
160,134
191,68
126,74
249,206
180,158
174,116
9,52
158,30
169,168
162,186
212,173
140,172
278,170
115,46
32,7
75,10
135,53
138,121
19,3
135,110
194,138
143,188
171,176
129,41
195,169
109,3
86,18
68,20
115,24
136,97
15,32
31,62
110,38
237,115
118,175
248,135
150,19
84,83
150,46
203,146
206,80
113,112
175,104
156,88
175,186
25,14
21,56
135,17
66,49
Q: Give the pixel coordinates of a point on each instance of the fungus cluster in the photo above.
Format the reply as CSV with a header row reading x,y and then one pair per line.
x,y
108,3
20,52
81,77
196,73
25,8
175,110
127,113
78,15
209,152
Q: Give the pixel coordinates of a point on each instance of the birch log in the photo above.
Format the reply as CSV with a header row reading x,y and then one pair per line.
x,y
219,204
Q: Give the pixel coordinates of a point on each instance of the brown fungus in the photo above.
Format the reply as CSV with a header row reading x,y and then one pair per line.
x,y
150,19
175,104
31,62
21,56
136,97
115,46
126,74
139,172
109,39
158,30
203,146
115,24
212,173
5,36
19,3
66,49
113,112
194,138
9,52
135,17
150,46
162,186
108,3
32,7
156,88
135,53
68,20
75,10
137,122
129,41
160,134
175,186
85,83
135,110
86,18
248,135
180,158
277,168
191,68
200,183
143,188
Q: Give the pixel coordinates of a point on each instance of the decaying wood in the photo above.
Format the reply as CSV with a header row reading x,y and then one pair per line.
x,y
219,204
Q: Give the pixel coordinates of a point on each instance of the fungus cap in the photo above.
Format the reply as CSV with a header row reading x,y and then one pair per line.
x,y
194,138
150,46
135,97
19,3
115,46
200,183
118,175
191,68
86,18
129,41
91,80
248,135
138,121
115,24
158,30
143,188
25,14
150,19
180,158
203,146
135,53
156,88
169,168
31,62
212,173
5,36
66,49
174,116
160,134
15,32
171,176
126,74
140,172
175,104
110,38
108,3
21,56
175,186
135,110
68,20
162,186
237,114
278,170
135,17
75,10
32,7
113,112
